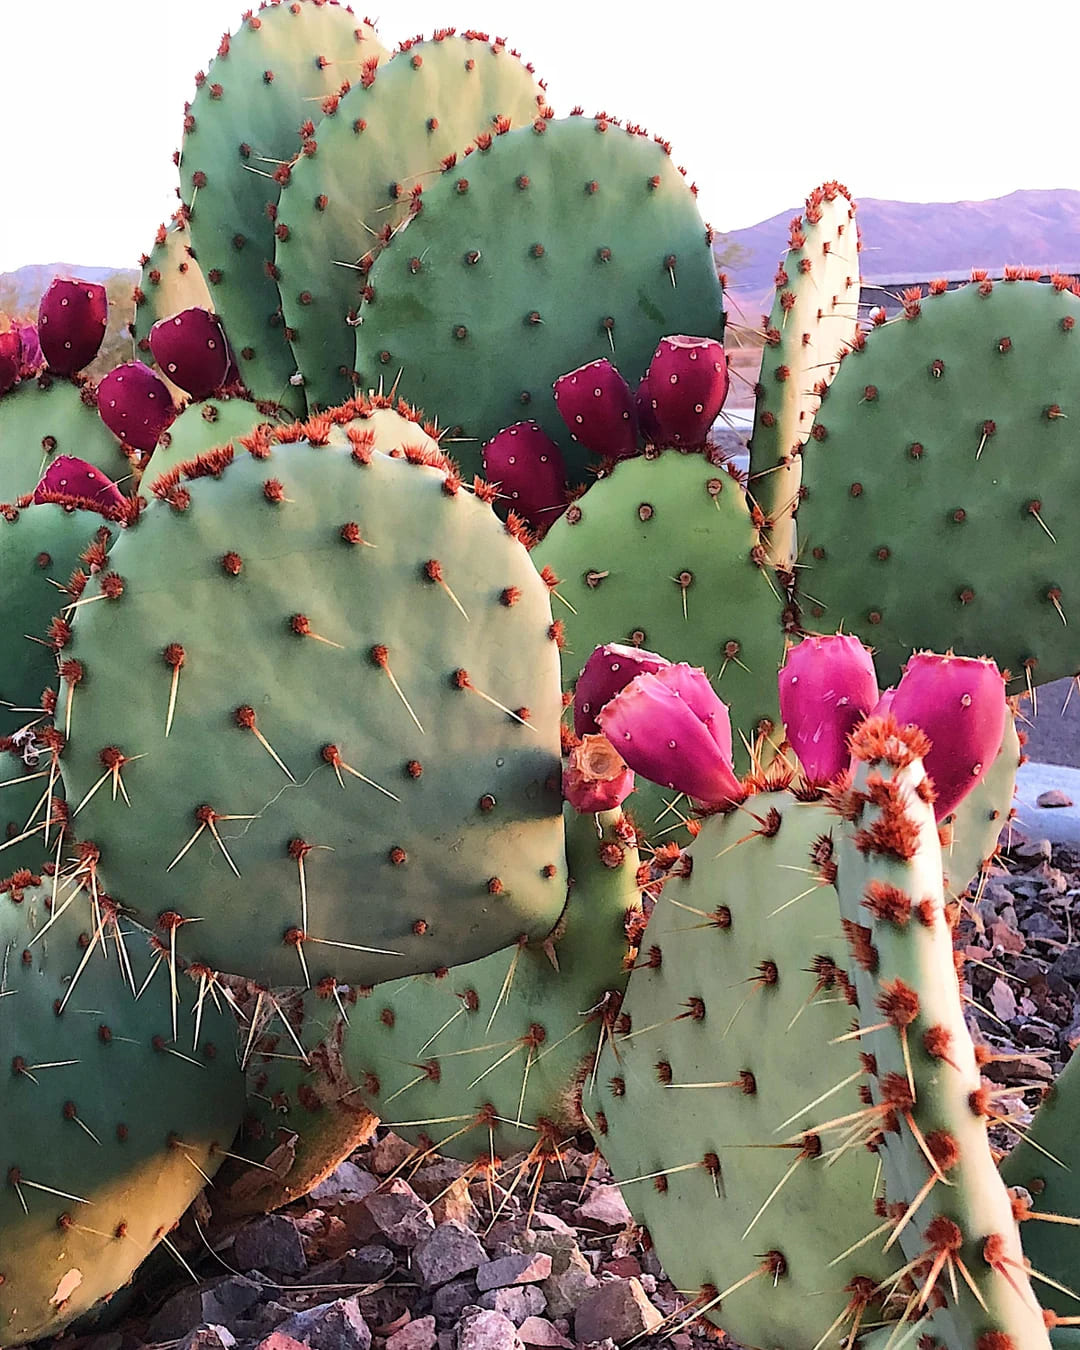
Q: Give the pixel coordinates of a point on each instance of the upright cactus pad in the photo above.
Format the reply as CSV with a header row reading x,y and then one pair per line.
x,y
555,245
969,838
113,1117
171,280
360,175
937,474
731,1047
664,554
814,317
328,682
240,135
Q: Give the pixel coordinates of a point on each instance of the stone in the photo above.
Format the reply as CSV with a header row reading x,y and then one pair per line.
x,y
483,1329
450,1300
455,1202
451,1250
553,1223
605,1208
417,1335
218,1302
1002,1000
1054,797
1042,927
519,1268
208,1338
399,1213
346,1183
365,1265
516,1302
619,1309
270,1243
1067,966
539,1331
571,1276
389,1153
329,1326
276,1341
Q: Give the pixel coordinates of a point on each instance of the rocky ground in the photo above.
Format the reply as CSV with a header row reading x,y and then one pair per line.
x,y
374,1261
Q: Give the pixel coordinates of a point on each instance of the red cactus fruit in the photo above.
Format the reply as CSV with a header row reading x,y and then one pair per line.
x,y
135,405
607,671
10,359
827,686
672,728
530,473
596,404
190,347
71,324
596,778
67,476
959,702
686,384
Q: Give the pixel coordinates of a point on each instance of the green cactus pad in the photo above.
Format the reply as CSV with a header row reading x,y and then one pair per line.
x,y
239,131
389,134
975,826
491,1057
208,424
171,280
815,315
49,416
622,555
113,1120
545,251
941,464
710,1082
300,664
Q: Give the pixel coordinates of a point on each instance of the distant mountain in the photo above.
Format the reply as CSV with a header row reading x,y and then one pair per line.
x,y
923,240
23,288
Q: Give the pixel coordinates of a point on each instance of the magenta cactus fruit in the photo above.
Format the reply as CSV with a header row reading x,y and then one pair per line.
x,y
32,358
596,777
135,405
827,686
643,405
190,347
608,671
10,359
67,476
71,324
959,702
686,385
597,405
530,473
671,727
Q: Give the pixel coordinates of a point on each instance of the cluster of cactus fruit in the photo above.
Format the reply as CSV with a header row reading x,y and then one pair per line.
x,y
345,784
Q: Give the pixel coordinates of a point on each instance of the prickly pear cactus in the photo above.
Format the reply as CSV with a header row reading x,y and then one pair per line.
x,y
115,1114
327,681
725,1091
239,140
814,317
936,477
664,554
210,424
362,172
556,244
49,416
171,280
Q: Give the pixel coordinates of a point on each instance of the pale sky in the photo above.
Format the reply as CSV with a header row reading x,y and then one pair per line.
x,y
763,99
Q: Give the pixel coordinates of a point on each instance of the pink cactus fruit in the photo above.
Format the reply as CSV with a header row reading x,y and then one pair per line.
x,y
884,704
190,347
67,476
959,702
596,404
71,324
607,671
643,404
135,405
671,727
596,777
686,384
32,357
530,473
10,359
827,686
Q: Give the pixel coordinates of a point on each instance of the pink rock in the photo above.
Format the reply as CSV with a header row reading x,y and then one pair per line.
x,y
530,473
190,347
687,382
596,777
135,405
71,324
1053,797
32,357
539,1331
596,404
10,359
606,1206
827,686
608,670
67,476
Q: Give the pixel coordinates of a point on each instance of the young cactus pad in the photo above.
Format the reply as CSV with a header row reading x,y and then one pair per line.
x,y
171,281
239,138
114,1116
938,475
725,1058
557,244
327,680
354,184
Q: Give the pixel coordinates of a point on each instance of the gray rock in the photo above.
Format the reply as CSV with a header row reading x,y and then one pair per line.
x,y
571,1276
329,1326
417,1335
520,1268
517,1302
270,1243
218,1302
450,1300
604,1208
345,1184
1067,966
481,1329
365,1265
1042,927
618,1309
399,1213
451,1250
